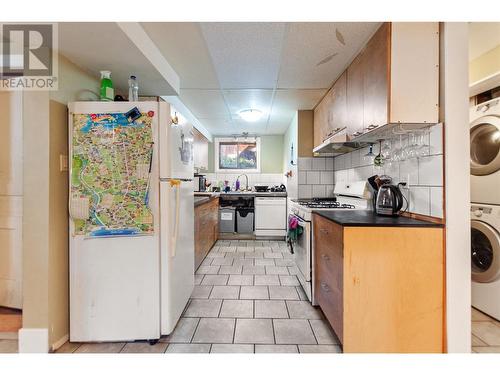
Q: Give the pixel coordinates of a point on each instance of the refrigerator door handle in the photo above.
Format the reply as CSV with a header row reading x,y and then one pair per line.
x,y
175,184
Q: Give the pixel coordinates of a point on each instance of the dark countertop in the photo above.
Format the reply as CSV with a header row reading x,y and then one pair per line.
x,y
365,218
202,199
255,194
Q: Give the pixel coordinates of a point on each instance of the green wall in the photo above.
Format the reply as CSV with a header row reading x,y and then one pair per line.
x,y
271,154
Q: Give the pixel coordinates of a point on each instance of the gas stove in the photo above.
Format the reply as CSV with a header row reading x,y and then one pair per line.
x,y
352,196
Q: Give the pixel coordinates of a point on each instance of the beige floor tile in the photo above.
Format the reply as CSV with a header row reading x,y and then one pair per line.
x,y
188,348
198,279
208,261
284,262
293,331
208,270
488,332
183,332
225,292
236,309
68,347
319,349
101,347
240,280
8,346
201,291
275,270
486,349
283,292
214,331
254,255
289,280
254,270
273,255
270,309
293,270
235,255
254,331
222,262
215,280
227,249
476,341
144,347
215,254
254,292
203,308
267,280
244,262
303,310
479,316
323,332
301,293
276,349
265,262
230,270
232,348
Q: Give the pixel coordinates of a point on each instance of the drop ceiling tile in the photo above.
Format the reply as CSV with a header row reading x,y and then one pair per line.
x,y
308,44
238,100
245,55
205,103
184,47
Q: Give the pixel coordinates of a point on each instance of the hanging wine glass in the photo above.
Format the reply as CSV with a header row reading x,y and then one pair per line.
x,y
369,156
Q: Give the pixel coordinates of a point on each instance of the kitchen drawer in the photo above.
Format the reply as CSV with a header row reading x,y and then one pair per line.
x,y
329,299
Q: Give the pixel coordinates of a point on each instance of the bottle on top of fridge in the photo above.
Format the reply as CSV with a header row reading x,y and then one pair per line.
x,y
133,89
107,91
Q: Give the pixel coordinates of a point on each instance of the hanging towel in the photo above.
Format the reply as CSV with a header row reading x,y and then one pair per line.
x,y
294,229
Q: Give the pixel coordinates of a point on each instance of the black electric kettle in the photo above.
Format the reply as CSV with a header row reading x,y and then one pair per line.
x,y
389,200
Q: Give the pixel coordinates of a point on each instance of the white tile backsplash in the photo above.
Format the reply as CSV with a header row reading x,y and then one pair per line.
x,y
420,200
319,191
305,191
305,164
319,164
302,178
326,177
430,170
312,177
424,175
436,196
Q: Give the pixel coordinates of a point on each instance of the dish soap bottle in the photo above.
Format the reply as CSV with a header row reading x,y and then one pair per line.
x,y
133,89
107,91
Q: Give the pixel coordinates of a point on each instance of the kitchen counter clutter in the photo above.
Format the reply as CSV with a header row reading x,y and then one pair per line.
x,y
380,281
365,218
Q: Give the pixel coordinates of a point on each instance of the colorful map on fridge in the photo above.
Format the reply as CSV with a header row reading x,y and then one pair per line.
x,y
111,159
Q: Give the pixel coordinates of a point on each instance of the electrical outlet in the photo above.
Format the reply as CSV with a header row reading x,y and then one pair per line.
x,y
63,163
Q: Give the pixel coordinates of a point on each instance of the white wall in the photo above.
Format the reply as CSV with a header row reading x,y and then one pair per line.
x,y
454,105
291,138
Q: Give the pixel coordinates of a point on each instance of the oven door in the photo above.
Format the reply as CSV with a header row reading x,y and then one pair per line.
x,y
302,250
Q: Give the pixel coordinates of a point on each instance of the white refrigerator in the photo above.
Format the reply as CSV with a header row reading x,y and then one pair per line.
x,y
131,220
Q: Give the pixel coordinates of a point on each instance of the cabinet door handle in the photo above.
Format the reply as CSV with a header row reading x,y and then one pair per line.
x,y
325,287
325,257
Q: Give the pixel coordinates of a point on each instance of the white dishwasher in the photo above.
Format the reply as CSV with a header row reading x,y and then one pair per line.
x,y
270,216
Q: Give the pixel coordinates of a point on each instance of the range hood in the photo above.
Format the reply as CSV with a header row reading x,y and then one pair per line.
x,y
337,144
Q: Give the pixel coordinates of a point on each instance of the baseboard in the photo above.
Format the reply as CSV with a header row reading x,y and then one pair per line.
x,y
59,342
33,340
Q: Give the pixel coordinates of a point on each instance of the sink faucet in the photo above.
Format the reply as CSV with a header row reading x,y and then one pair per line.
x,y
246,177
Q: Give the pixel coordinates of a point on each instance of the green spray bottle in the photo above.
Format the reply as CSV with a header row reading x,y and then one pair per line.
x,y
107,91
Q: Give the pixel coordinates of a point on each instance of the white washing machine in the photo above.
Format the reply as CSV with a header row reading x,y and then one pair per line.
x,y
485,152
485,258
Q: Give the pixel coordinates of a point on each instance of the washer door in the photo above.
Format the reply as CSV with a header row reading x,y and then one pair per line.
x,y
485,252
485,145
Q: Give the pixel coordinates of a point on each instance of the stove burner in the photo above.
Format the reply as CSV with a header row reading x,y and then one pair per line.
x,y
325,204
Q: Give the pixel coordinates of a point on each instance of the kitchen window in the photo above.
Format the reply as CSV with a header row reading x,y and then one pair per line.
x,y
237,155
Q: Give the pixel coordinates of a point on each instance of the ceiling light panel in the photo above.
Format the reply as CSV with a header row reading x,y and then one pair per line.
x,y
245,55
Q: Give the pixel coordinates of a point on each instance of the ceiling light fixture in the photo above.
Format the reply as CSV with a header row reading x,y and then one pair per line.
x,y
250,115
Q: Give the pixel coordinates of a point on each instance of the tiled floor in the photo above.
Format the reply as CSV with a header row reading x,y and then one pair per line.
x,y
485,333
247,299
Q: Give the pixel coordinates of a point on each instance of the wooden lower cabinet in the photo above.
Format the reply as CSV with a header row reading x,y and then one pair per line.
x,y
206,229
381,288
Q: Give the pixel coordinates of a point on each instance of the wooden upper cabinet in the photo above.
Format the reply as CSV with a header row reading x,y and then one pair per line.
x,y
337,114
355,97
394,79
375,63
